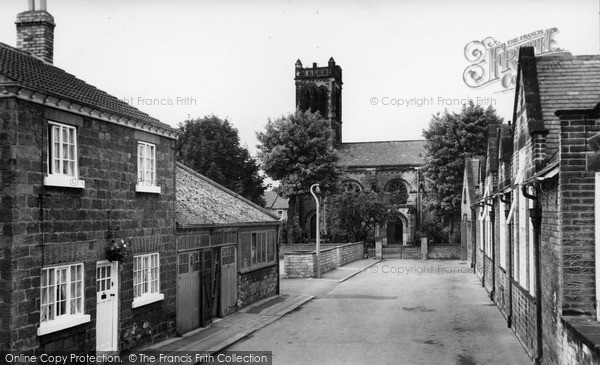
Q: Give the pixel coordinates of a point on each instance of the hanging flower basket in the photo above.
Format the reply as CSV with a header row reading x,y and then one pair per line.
x,y
118,250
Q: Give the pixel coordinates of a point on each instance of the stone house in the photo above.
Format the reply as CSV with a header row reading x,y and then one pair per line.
x,y
80,170
276,204
390,168
537,216
227,251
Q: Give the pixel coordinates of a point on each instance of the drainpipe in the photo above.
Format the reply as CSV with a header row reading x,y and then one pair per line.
x,y
481,205
492,215
474,239
505,198
535,214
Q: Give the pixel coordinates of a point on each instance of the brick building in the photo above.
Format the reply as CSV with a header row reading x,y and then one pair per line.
x,y
536,216
227,251
80,170
389,168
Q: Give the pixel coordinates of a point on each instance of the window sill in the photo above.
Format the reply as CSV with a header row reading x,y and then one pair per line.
x,y
152,189
61,324
147,299
257,267
64,181
586,329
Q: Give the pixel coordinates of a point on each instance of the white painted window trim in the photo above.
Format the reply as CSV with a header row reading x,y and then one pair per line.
x,y
522,228
66,320
530,249
62,323
143,185
502,234
148,297
56,178
597,241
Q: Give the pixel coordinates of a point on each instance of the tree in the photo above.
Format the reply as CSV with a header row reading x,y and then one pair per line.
x,y
211,146
449,139
355,214
296,151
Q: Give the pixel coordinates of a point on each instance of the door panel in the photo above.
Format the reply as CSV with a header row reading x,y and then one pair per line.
x,y
228,280
106,306
207,287
188,291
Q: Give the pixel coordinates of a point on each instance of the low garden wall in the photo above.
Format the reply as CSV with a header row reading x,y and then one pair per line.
x,y
303,264
443,252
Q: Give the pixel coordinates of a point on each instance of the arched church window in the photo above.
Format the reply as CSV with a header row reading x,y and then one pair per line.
x,y
351,186
396,189
322,101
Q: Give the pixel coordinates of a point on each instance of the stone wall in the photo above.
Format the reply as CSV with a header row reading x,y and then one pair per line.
x,y
303,264
576,346
256,285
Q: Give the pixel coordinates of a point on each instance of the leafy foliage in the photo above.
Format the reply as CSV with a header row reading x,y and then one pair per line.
x,y
296,151
211,146
449,139
355,215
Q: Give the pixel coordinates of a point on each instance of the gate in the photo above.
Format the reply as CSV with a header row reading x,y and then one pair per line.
x,y
395,251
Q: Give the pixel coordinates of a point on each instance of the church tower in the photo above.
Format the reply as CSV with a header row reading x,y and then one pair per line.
x,y
320,89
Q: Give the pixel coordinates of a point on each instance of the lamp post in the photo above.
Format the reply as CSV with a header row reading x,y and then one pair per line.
x,y
314,187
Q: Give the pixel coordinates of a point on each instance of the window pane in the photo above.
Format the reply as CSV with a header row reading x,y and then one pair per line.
x,y
271,246
184,263
253,248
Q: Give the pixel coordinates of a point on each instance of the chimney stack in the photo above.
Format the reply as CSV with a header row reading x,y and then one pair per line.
x,y
35,31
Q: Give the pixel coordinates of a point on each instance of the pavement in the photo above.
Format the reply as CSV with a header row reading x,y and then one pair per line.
x,y
223,333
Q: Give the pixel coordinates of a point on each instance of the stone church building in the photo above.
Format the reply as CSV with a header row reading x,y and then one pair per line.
x,y
386,167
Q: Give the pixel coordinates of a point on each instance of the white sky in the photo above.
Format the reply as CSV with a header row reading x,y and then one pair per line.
x,y
236,58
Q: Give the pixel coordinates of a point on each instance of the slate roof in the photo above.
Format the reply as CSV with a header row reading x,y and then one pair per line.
x,y
274,201
384,153
566,82
201,201
24,69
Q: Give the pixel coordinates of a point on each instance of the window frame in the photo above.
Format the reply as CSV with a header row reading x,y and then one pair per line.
x,y
251,250
149,295
67,320
53,178
502,234
597,240
142,184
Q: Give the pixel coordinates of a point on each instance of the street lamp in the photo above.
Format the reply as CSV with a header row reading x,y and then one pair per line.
x,y
314,187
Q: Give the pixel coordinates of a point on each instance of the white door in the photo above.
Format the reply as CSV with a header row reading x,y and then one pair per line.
x,y
106,306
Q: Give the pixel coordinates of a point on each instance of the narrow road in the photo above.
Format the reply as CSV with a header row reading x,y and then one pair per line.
x,y
396,312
